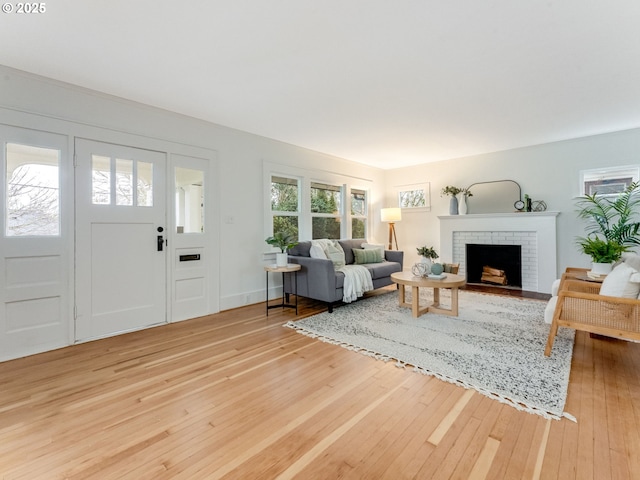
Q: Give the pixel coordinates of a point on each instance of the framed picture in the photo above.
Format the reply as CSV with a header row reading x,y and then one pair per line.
x,y
415,196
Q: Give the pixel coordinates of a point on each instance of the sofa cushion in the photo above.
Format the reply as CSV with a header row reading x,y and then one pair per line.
x,y
347,245
301,249
367,255
383,269
623,281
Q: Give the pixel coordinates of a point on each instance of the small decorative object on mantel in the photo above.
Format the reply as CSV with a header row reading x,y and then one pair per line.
x,y
284,241
453,192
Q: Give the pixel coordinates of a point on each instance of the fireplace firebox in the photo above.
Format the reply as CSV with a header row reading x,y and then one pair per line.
x,y
499,265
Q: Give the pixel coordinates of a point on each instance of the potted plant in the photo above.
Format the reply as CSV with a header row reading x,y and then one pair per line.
x,y
614,219
427,253
284,241
603,253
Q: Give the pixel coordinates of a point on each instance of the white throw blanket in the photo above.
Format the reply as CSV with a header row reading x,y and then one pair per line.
x,y
357,280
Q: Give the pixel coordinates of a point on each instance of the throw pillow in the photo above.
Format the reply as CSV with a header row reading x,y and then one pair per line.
x,y
316,251
623,281
367,255
335,254
368,246
632,259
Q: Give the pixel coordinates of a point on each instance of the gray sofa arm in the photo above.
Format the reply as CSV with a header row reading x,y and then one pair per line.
x,y
394,256
316,279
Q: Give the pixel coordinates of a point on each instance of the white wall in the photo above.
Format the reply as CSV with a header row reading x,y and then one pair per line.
x,y
548,172
240,156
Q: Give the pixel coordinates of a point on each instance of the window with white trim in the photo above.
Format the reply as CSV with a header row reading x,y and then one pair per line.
x,y
607,181
358,213
326,210
285,204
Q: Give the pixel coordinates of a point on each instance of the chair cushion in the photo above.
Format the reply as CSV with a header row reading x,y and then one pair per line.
x,y
623,281
555,286
550,309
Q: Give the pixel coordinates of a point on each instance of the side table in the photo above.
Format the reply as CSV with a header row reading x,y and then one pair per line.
x,y
290,268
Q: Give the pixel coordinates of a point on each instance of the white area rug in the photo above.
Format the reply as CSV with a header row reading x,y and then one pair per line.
x,y
495,345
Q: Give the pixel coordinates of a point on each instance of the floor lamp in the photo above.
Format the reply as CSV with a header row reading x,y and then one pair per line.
x,y
391,215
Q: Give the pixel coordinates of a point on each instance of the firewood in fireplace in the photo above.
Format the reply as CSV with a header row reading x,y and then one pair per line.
x,y
493,275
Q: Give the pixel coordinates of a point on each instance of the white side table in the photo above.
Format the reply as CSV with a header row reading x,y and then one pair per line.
x,y
290,268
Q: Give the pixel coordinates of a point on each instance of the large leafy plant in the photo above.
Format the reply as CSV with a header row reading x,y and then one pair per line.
x,y
612,224
615,218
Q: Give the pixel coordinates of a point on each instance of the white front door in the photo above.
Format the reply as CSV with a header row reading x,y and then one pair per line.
x,y
121,275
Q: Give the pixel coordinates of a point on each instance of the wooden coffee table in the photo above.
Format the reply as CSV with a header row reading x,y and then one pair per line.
x,y
451,281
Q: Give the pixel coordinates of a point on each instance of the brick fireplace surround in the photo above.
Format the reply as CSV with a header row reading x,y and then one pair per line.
x,y
535,232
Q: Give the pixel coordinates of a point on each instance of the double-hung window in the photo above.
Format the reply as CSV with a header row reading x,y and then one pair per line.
x,y
285,204
358,213
326,210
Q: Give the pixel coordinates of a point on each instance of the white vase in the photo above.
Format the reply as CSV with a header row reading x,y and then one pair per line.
x,y
282,259
453,205
426,261
601,268
462,204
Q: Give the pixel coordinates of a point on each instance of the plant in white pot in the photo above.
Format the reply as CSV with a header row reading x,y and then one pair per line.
x,y
603,253
284,241
615,219
428,254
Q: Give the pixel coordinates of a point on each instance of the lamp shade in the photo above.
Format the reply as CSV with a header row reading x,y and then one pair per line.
x,y
391,214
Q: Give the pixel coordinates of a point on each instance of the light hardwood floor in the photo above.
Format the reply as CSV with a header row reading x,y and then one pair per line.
x,y
235,395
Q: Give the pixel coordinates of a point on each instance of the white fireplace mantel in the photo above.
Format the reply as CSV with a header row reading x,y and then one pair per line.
x,y
536,231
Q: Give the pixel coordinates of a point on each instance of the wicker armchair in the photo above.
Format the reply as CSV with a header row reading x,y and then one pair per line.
x,y
580,306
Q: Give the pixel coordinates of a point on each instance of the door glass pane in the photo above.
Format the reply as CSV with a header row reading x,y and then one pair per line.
x,y
33,190
100,180
189,200
145,184
124,182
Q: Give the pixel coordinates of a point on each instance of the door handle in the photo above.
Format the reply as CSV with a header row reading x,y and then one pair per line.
x,y
160,243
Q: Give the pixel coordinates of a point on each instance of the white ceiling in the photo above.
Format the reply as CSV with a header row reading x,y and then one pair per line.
x,y
383,82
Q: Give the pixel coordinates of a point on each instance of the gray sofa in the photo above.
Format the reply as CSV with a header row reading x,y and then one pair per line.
x,y
318,280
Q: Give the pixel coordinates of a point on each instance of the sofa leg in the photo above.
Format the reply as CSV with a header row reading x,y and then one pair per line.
x,y
330,307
